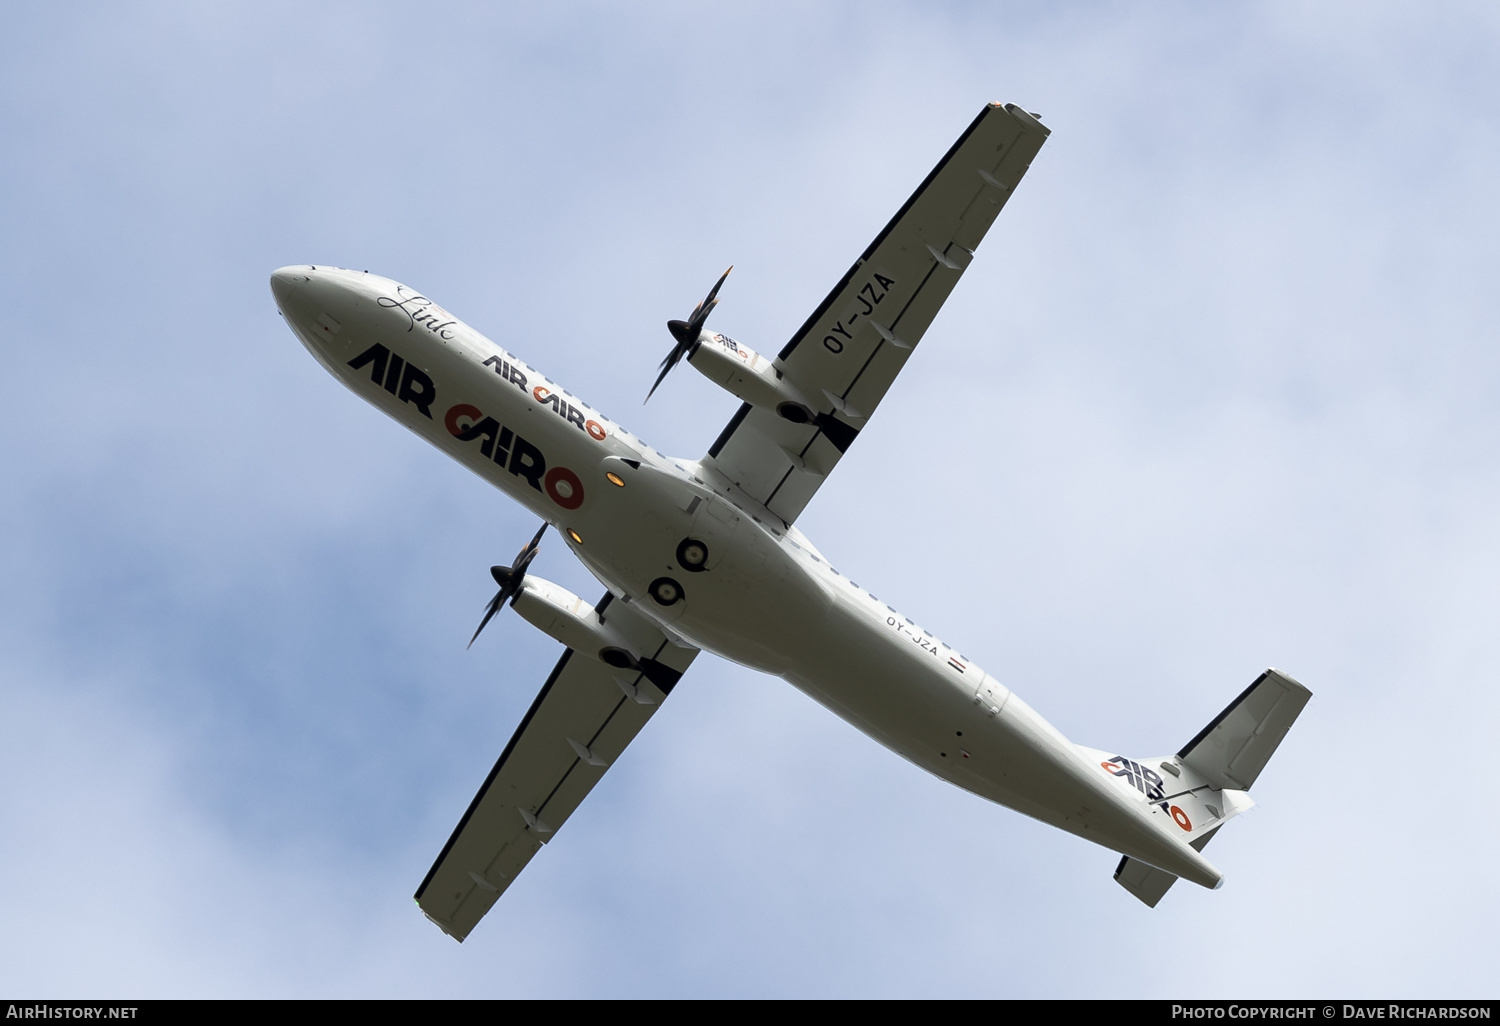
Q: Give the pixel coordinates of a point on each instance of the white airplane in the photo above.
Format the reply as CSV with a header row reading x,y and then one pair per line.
x,y
705,554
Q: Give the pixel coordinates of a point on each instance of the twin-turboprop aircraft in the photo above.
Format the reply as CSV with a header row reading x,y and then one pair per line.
x,y
705,554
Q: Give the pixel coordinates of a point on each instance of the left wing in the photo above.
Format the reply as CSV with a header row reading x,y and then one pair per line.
x,y
585,715
847,354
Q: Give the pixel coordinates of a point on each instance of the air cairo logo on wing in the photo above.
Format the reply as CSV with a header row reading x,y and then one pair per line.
x,y
1148,782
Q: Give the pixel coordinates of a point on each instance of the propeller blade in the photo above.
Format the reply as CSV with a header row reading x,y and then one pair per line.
x,y
528,552
509,578
489,614
666,365
686,332
703,309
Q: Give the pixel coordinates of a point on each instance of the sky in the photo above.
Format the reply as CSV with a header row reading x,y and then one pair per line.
x,y
1219,392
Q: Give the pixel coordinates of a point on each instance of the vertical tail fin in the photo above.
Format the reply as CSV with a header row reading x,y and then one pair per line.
x,y
1217,766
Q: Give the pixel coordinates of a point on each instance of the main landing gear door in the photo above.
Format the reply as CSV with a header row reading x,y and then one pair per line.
x,y
714,524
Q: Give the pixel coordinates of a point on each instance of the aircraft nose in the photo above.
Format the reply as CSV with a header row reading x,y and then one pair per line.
x,y
304,294
286,281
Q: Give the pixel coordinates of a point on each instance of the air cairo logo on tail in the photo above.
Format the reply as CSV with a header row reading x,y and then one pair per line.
x,y
1148,782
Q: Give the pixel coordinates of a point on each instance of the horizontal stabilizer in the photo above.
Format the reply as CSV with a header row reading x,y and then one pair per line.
x,y
1147,882
1233,749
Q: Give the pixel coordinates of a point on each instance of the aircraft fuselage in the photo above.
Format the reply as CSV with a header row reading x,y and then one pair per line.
x,y
763,596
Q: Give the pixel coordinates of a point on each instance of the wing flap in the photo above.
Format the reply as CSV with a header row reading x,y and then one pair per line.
x,y
581,721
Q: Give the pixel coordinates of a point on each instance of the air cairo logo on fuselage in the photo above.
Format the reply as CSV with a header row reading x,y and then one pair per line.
x,y
516,454
403,380
467,423
1148,782
546,397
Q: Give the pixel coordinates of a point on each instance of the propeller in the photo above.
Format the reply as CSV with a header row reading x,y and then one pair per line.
x,y
509,578
686,332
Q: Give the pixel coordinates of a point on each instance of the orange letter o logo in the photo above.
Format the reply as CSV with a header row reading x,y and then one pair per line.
x,y
461,410
564,487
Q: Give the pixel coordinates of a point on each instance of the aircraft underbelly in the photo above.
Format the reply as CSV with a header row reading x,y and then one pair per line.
x,y
1011,756
891,694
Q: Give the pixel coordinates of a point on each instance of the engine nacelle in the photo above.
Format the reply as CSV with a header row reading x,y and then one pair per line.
x,y
558,613
750,376
562,615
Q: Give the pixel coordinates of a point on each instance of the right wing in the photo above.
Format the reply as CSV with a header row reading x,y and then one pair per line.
x,y
585,715
847,354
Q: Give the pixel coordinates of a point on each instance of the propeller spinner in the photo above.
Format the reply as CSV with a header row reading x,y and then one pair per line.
x,y
686,332
509,578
